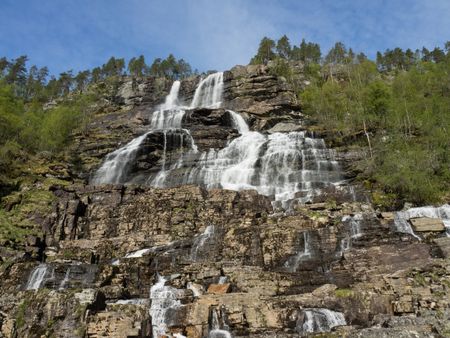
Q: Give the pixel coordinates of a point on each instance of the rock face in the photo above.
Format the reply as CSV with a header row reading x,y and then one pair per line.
x,y
136,261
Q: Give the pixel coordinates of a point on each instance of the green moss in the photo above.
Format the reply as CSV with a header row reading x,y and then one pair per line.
x,y
9,231
6,265
20,314
343,293
419,279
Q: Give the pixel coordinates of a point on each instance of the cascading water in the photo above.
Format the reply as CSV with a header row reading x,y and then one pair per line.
x,y
283,165
209,92
320,320
287,166
200,241
163,300
218,325
66,280
401,218
114,168
292,264
37,277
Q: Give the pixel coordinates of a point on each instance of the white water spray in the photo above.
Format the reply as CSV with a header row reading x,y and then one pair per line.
x,y
321,320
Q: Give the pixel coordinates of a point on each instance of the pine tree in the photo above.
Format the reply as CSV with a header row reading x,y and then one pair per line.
x,y
283,47
265,52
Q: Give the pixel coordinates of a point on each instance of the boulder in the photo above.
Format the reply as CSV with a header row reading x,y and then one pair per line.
x,y
424,224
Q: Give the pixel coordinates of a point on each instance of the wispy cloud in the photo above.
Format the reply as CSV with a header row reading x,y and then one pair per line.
x,y
209,34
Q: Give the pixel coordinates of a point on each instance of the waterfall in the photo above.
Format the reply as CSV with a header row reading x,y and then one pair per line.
x,y
200,241
113,169
320,320
66,279
164,300
354,223
37,277
168,116
285,166
218,325
401,218
209,92
293,263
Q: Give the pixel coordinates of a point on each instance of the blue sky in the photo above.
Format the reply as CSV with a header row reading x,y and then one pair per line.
x,y
209,34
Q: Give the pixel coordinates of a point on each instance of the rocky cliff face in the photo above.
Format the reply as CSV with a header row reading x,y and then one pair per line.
x,y
138,261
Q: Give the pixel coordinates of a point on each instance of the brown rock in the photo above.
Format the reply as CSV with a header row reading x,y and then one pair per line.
x,y
444,244
219,289
424,224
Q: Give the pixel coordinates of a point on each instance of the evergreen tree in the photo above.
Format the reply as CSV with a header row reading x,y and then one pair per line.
x,y
137,66
65,82
265,52
308,52
337,54
96,75
283,47
437,55
81,80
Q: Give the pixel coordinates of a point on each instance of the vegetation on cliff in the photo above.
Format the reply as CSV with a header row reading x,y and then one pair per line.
x,y
38,115
398,106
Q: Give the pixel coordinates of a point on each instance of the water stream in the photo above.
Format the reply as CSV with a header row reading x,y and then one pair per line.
x,y
320,320
286,166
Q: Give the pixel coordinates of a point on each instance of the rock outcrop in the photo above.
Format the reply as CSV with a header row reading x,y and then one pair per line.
x,y
135,261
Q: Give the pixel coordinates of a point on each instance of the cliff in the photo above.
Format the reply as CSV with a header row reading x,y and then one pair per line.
x,y
190,238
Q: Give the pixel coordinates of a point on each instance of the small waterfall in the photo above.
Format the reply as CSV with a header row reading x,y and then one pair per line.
x,y
354,223
200,241
134,301
353,231
401,218
164,301
239,123
218,325
66,280
292,264
171,100
320,320
209,92
37,277
113,169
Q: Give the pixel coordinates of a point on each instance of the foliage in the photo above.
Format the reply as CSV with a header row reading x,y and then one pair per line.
x,y
405,115
265,52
